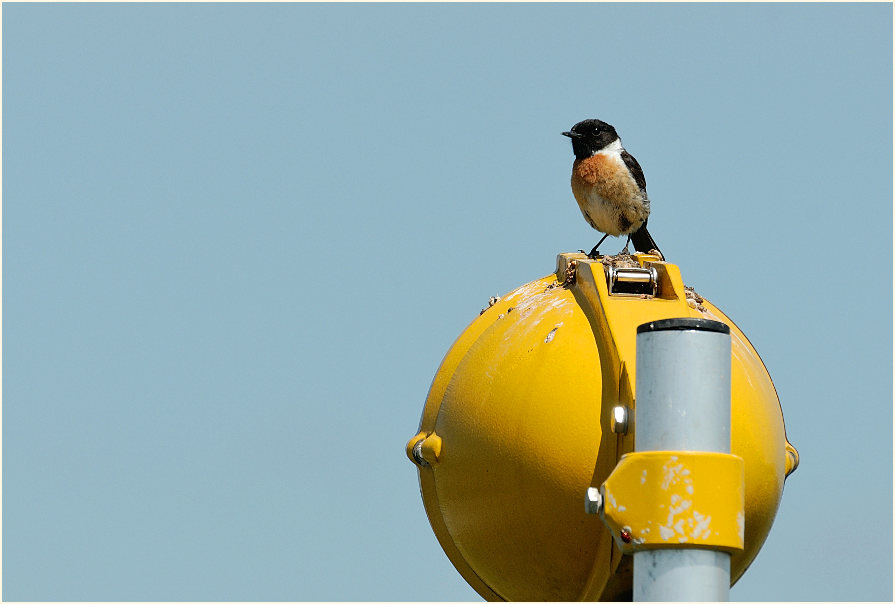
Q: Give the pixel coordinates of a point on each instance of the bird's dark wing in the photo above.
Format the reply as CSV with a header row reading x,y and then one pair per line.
x,y
635,169
643,241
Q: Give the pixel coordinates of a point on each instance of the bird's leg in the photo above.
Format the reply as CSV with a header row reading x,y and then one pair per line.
x,y
594,253
625,251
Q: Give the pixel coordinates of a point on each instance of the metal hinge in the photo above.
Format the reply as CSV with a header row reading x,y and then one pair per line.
x,y
623,281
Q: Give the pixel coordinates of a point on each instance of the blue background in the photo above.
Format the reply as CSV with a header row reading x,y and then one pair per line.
x,y
238,240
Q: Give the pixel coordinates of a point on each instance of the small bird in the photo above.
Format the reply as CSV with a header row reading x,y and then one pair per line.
x,y
609,186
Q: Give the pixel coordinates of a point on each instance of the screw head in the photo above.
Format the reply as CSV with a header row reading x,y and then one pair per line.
x,y
593,501
619,419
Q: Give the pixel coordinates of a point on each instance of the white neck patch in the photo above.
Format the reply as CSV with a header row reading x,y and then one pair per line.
x,y
613,147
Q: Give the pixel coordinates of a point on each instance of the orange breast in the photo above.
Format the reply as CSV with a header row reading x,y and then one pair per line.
x,y
611,180
594,170
607,194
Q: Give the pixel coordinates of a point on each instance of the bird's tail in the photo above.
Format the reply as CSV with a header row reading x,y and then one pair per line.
x,y
643,241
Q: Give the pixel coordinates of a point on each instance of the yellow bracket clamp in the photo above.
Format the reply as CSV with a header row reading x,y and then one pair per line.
x,y
675,499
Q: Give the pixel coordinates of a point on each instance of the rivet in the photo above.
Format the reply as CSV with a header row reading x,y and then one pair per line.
x,y
418,455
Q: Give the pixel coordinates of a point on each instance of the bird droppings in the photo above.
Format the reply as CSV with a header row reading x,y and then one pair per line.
x,y
550,335
491,302
531,307
694,300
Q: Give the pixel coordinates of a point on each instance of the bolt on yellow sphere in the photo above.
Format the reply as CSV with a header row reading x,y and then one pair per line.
x,y
534,404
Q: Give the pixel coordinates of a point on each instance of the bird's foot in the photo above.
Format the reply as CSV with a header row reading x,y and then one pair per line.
x,y
594,254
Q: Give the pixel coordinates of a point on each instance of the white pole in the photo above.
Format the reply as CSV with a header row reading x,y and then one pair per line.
x,y
683,404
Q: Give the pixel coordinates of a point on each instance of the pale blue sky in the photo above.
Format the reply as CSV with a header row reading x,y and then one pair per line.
x,y
238,240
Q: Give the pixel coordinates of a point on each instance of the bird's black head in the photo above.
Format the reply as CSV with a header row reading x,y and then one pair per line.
x,y
590,136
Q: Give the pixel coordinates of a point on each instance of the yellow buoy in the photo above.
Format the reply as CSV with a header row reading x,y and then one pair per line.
x,y
535,402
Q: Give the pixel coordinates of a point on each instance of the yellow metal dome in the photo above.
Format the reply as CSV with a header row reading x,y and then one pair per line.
x,y
518,425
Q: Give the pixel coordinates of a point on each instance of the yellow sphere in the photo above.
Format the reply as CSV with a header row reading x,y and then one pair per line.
x,y
517,426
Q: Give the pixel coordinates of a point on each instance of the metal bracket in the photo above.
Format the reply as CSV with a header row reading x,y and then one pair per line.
x,y
675,499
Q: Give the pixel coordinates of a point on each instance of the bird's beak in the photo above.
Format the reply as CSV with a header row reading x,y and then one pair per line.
x,y
571,134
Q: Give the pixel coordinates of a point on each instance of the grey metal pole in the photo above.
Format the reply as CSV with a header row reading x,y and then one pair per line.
x,y
683,404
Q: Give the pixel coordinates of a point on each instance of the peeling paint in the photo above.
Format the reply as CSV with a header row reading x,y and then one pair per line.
x,y
678,505
611,500
671,473
679,513
701,530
